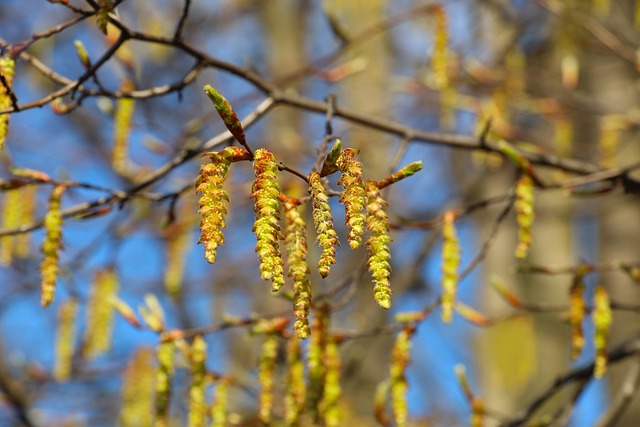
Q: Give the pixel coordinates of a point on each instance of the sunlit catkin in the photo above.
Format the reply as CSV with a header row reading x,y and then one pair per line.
x,y
51,247
137,390
379,254
296,247
266,370
400,359
329,405
220,406
296,387
353,195
450,264
197,400
11,217
7,69
100,313
524,214
267,222
122,125
22,243
577,313
212,202
440,55
165,355
602,318
65,340
323,222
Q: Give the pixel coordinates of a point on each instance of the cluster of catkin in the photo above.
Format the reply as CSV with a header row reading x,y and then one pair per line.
x,y
364,210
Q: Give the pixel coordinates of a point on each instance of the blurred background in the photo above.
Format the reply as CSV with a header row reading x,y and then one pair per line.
x,y
555,78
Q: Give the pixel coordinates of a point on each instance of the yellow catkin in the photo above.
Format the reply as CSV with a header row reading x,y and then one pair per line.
x,y
122,124
440,55
267,222
353,195
137,390
212,202
22,245
220,406
400,359
329,405
525,214
577,313
65,340
450,264
378,245
266,370
296,387
100,313
611,128
296,247
7,69
163,376
178,242
602,318
323,222
197,399
51,247
11,217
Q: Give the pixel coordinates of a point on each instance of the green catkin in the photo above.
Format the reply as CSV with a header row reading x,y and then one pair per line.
x,y
266,370
51,247
353,195
197,400
379,254
296,387
65,340
7,70
296,247
524,214
165,356
212,202
102,14
267,222
100,314
323,222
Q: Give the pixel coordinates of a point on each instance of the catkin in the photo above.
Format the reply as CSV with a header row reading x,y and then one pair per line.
x,y
212,202
602,318
197,400
267,222
524,214
65,340
323,222
450,263
577,313
51,247
379,254
100,313
353,195
7,69
296,247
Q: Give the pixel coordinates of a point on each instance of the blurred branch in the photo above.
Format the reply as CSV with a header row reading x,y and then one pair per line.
x,y
622,352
